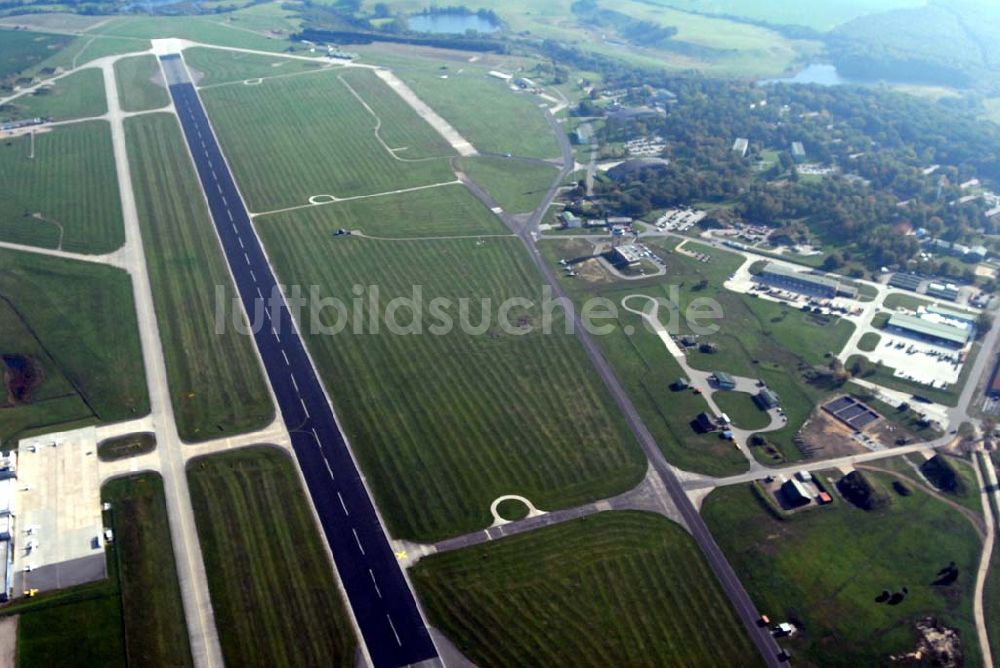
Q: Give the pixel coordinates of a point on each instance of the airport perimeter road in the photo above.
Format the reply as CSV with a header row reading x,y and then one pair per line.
x,y
383,605
731,584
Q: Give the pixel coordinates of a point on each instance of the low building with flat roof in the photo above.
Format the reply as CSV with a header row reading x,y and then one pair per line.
x,y
767,399
723,380
936,331
628,255
805,283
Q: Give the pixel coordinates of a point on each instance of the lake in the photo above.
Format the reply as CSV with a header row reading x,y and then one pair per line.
x,y
824,75
450,23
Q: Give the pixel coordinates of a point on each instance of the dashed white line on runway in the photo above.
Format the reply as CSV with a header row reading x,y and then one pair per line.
x,y
342,504
285,355
304,409
358,541
393,627
294,384
374,583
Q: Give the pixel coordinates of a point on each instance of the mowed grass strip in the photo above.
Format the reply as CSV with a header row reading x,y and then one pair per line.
x,y
291,138
274,595
518,186
77,95
401,128
82,319
140,84
823,568
218,66
613,589
155,630
448,210
216,383
444,423
21,50
484,110
66,196
133,617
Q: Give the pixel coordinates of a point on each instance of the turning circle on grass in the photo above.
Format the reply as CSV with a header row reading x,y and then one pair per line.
x,y
253,82
322,199
512,507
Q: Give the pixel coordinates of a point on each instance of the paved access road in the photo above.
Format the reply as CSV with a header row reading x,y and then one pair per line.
x,y
380,598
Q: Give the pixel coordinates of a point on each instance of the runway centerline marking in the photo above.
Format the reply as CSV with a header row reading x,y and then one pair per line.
x,y
358,540
393,627
342,504
374,583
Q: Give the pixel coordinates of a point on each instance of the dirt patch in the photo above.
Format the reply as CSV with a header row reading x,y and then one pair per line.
x,y
8,642
825,437
936,646
22,376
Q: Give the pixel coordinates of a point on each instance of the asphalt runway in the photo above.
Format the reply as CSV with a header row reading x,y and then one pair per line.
x,y
383,605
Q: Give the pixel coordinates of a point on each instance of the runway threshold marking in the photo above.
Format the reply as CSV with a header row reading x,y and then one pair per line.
x,y
342,504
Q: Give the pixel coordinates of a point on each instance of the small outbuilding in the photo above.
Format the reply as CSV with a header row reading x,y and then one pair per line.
x,y
723,380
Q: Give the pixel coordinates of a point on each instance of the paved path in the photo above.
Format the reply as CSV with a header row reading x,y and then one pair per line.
x,y
384,608
202,631
8,641
988,487
527,230
702,379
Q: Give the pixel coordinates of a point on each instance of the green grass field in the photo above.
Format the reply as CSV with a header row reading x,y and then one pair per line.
x,y
219,67
435,212
757,339
155,631
77,320
443,423
87,48
135,616
899,300
323,143
869,341
272,584
741,409
400,128
77,95
483,110
823,568
66,196
614,589
215,30
21,50
518,186
129,445
137,88
216,384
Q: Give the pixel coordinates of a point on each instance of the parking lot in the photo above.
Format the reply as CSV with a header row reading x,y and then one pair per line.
x,y
914,359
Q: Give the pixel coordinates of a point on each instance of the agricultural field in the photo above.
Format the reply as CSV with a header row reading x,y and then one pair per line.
x,y
445,422
272,584
216,383
613,589
518,186
216,66
22,50
77,95
324,144
498,120
788,12
756,338
65,194
825,569
214,30
135,616
140,84
449,210
73,344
